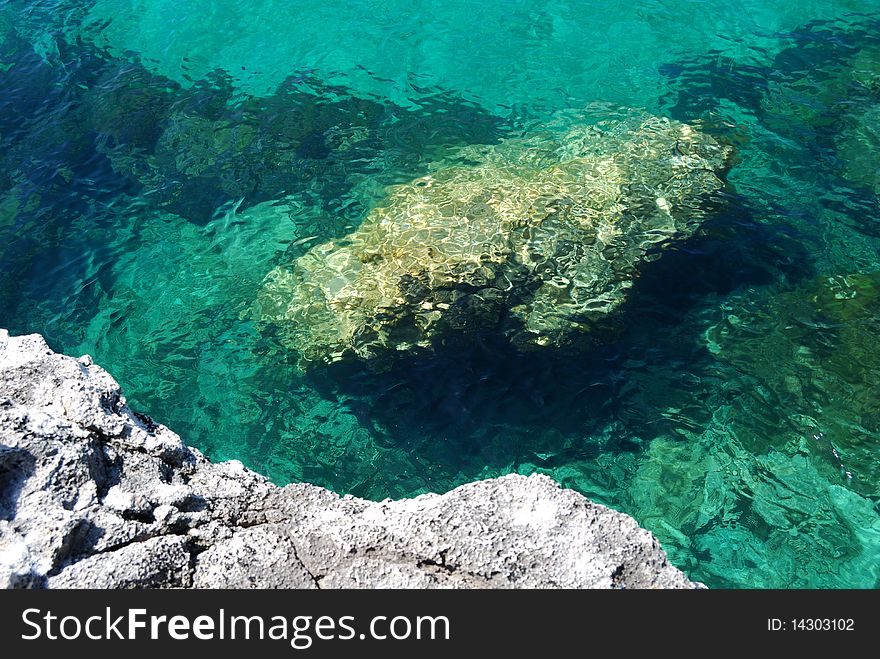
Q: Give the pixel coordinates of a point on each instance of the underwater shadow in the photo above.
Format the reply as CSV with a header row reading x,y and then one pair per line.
x,y
488,405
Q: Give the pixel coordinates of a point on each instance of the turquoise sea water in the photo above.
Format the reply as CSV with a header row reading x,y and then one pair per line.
x,y
160,158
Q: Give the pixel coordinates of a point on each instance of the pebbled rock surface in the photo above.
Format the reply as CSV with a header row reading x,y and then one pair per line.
x,y
93,494
537,239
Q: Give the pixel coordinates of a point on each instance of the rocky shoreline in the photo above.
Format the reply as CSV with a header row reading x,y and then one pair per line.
x,y
93,494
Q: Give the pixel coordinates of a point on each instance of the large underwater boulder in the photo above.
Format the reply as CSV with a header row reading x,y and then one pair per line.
x,y
538,238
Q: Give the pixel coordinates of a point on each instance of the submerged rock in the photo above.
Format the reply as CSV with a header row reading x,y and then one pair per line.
x,y
83,127
834,109
812,354
96,495
858,146
538,238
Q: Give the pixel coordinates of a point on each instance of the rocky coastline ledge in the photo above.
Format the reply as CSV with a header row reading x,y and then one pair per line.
x,y
93,494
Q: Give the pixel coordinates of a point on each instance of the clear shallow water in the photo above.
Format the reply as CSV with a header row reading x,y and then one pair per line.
x,y
159,158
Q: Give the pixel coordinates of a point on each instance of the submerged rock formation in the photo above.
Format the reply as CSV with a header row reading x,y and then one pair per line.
x,y
833,108
96,495
812,352
538,238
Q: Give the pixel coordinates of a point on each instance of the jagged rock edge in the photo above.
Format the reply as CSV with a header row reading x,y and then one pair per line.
x,y
159,514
